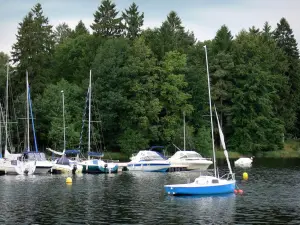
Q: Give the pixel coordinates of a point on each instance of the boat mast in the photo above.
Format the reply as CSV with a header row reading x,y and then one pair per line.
x,y
210,110
6,108
64,122
27,105
90,97
183,131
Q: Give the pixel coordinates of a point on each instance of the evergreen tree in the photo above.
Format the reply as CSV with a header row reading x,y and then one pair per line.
x,y
284,37
256,125
254,30
33,50
80,29
62,32
267,31
223,40
106,20
171,36
221,66
3,72
133,21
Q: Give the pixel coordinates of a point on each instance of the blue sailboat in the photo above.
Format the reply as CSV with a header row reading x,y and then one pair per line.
x,y
208,185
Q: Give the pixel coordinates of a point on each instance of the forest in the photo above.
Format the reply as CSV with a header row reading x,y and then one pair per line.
x,y
145,80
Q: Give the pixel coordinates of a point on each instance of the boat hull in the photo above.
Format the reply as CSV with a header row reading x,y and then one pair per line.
x,y
148,167
195,189
192,165
99,166
99,169
66,169
42,169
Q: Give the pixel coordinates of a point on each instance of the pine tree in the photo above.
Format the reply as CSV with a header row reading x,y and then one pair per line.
x,y
80,29
106,20
284,37
133,21
171,36
223,40
33,50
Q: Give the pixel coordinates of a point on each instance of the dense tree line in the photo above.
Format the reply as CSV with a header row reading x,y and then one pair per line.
x,y
143,81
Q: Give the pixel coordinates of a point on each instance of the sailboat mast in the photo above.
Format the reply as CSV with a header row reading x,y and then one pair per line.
x,y
183,131
211,118
6,107
64,122
27,105
90,97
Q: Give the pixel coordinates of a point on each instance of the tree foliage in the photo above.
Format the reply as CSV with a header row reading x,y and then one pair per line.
x,y
133,21
106,20
33,50
144,80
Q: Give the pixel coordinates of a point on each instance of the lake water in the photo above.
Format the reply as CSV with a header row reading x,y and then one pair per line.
x,y
271,196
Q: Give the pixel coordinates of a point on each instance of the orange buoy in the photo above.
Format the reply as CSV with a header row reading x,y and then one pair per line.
x,y
241,191
235,191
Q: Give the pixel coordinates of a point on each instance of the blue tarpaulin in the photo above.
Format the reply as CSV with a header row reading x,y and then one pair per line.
x,y
96,154
72,151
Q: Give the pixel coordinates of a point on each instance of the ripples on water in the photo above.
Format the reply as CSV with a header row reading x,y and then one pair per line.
x,y
272,196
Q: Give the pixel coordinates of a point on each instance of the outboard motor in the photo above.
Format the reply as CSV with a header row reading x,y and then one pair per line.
x,y
74,169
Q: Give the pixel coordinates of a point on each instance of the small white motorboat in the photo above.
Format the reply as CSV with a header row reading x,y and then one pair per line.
x,y
190,159
243,162
148,161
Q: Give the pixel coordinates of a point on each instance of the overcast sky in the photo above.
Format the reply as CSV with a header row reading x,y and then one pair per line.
x,y
203,17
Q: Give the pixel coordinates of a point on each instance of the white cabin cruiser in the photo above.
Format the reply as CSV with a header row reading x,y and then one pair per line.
x,y
148,161
190,159
15,164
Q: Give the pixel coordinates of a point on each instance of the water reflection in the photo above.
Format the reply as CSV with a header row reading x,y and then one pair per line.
x,y
271,196
218,209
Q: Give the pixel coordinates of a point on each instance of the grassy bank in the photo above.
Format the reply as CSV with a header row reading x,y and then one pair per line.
x,y
291,150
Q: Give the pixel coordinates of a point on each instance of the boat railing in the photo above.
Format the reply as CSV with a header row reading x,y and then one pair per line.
x,y
229,176
208,172
111,160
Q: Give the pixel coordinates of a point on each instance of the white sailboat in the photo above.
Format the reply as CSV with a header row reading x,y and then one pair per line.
x,y
192,160
95,165
207,185
42,165
64,164
15,163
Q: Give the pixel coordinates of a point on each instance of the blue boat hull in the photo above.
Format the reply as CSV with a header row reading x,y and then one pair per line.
x,y
200,190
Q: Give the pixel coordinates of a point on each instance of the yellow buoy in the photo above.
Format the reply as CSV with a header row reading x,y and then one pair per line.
x,y
69,180
245,176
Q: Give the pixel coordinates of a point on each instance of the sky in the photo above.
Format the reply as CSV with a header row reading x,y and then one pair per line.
x,y
203,17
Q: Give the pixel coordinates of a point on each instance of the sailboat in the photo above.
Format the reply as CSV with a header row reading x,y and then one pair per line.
x,y
16,163
208,185
64,164
95,165
42,165
192,160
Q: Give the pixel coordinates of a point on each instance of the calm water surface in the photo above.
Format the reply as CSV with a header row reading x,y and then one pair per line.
x,y
272,196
